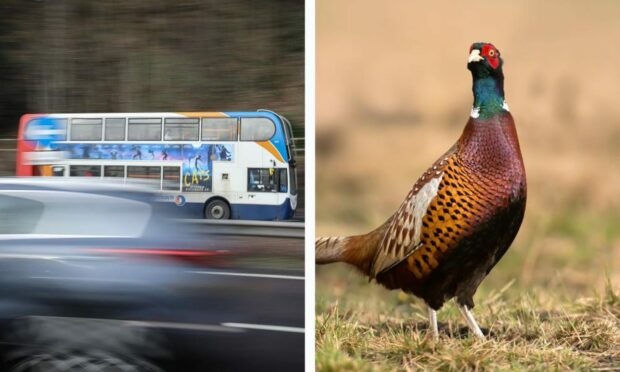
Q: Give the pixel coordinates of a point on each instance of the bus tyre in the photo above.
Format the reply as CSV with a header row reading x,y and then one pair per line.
x,y
217,210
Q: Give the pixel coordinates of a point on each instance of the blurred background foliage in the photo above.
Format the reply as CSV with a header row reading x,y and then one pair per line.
x,y
150,55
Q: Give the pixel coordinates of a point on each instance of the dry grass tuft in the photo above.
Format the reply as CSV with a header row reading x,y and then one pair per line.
x,y
523,333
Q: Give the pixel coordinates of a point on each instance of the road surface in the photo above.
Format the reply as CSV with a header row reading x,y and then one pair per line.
x,y
244,313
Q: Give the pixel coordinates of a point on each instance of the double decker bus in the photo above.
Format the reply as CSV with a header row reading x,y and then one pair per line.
x,y
217,165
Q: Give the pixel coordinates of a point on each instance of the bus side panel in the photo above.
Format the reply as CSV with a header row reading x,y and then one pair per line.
x,y
262,212
229,179
191,210
240,211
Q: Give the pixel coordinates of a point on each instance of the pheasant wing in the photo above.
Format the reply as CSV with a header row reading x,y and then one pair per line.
x,y
403,235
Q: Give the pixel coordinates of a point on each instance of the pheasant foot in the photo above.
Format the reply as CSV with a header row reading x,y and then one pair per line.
x,y
471,322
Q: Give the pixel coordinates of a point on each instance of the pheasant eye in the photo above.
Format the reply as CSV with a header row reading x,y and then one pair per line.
x,y
491,53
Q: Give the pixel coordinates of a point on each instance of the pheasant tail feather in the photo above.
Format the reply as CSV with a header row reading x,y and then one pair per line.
x,y
331,249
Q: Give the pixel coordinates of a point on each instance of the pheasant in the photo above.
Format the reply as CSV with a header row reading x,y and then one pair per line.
x,y
461,215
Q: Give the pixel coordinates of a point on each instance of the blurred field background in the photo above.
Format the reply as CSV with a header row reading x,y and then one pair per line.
x,y
149,55
393,93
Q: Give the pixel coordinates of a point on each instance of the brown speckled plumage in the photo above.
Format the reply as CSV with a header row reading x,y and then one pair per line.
x,y
461,215
472,220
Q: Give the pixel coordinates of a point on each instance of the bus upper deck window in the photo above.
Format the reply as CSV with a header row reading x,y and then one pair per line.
x,y
86,129
144,129
115,129
181,129
219,129
257,129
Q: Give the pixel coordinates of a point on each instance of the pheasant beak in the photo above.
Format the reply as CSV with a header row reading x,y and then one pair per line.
x,y
474,56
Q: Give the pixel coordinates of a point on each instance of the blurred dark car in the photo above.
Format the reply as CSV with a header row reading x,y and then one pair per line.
x,y
98,277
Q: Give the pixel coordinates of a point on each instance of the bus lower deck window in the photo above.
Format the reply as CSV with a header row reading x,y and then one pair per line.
x,y
114,171
147,173
172,178
58,171
85,171
267,180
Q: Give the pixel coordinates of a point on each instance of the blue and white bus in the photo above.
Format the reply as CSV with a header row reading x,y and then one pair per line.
x,y
217,165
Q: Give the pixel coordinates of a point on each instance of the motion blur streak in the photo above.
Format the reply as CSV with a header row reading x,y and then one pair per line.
x,y
252,275
163,252
264,327
163,295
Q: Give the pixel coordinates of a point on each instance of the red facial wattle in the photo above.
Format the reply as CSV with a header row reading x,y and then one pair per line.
x,y
491,54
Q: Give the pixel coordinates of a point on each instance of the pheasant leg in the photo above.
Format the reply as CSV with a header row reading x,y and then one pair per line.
x,y
471,322
432,319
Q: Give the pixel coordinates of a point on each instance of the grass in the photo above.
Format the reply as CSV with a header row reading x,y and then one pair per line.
x,y
530,331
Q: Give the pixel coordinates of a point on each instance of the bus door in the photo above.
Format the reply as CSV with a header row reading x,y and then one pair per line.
x,y
283,184
263,186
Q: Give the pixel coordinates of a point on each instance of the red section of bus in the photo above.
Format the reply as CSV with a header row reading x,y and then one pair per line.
x,y
22,169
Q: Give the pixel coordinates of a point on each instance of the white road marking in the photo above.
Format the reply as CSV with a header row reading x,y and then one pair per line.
x,y
147,324
224,327
267,276
182,326
264,327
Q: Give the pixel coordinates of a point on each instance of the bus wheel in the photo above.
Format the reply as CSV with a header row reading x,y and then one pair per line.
x,y
217,209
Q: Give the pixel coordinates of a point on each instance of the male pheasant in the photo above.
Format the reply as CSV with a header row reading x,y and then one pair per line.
x,y
461,215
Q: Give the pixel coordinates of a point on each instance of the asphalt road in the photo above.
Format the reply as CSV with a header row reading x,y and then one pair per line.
x,y
258,318
245,313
